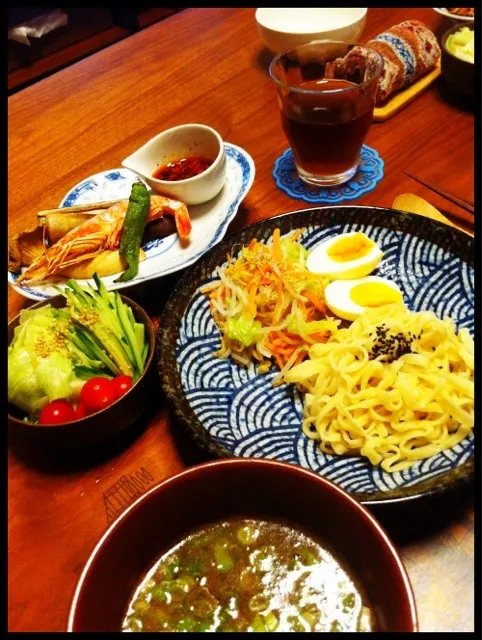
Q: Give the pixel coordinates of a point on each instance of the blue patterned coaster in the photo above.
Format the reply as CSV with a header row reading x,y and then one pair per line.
x,y
370,172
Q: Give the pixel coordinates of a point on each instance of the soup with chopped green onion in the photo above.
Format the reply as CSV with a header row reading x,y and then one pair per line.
x,y
248,575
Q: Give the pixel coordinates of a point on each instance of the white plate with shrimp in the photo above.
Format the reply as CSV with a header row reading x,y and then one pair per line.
x,y
166,255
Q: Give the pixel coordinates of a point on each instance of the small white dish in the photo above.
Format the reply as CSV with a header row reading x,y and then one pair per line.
x,y
282,29
210,222
175,144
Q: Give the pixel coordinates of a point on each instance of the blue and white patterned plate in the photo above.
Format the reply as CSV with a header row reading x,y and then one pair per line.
x,y
209,221
230,410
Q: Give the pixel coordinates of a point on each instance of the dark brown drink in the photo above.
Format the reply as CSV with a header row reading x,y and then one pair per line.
x,y
326,131
326,94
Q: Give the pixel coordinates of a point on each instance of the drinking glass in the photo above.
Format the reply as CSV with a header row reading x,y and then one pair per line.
x,y
326,94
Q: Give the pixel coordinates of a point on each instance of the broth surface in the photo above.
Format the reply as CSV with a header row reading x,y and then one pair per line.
x,y
247,575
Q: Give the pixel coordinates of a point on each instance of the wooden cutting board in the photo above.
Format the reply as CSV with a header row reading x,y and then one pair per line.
x,y
401,99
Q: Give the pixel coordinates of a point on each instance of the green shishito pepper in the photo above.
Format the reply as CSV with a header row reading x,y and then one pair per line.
x,y
133,228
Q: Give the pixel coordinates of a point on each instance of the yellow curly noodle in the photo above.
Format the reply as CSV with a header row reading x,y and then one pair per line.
x,y
268,306
396,387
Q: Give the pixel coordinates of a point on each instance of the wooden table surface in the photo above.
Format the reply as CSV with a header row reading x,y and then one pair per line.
x,y
209,66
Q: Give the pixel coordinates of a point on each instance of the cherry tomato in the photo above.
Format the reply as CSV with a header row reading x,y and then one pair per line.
x,y
56,412
81,411
97,393
122,384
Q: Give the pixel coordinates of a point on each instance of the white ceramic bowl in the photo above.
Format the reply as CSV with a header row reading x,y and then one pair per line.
x,y
282,29
176,143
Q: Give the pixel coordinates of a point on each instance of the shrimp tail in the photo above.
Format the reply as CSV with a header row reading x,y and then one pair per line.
x,y
165,206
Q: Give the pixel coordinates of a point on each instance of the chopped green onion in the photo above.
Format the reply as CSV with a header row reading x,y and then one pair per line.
x,y
223,559
247,535
271,621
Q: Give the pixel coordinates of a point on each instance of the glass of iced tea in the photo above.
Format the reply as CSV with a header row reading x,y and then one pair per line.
x,y
326,94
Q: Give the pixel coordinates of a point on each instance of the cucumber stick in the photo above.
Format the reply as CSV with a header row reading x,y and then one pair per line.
x,y
103,327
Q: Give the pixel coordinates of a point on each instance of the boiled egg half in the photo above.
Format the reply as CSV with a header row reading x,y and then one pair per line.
x,y
346,256
348,299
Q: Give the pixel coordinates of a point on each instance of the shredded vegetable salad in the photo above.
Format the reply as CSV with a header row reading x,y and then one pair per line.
x,y
268,306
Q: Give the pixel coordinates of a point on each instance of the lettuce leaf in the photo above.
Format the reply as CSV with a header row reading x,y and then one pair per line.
x,y
244,329
294,251
40,368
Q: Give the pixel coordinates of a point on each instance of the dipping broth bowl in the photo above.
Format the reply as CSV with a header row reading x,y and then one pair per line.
x,y
187,141
85,433
282,29
252,488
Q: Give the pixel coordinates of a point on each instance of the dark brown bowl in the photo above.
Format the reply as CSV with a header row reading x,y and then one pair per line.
x,y
458,73
80,434
247,487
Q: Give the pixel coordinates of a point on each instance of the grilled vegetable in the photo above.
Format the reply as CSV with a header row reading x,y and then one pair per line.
x,y
24,248
106,263
133,229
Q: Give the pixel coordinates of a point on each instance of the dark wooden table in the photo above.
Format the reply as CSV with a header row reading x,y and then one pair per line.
x,y
209,66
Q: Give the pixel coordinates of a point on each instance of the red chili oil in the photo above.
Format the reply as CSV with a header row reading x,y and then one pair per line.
x,y
183,168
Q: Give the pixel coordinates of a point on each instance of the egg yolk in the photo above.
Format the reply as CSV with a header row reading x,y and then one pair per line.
x,y
374,294
350,248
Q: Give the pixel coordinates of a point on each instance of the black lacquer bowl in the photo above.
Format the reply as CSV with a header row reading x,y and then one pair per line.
x,y
88,432
232,411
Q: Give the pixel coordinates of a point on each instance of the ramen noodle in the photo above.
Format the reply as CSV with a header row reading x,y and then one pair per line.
x,y
395,387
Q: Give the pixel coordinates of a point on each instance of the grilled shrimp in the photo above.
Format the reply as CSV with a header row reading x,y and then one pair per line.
x,y
100,233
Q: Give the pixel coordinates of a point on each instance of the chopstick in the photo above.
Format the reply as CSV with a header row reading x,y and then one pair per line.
x,y
80,208
464,204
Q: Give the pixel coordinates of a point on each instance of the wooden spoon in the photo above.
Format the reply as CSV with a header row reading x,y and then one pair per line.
x,y
415,204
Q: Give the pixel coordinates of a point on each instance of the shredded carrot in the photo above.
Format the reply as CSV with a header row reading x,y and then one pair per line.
x,y
314,301
277,252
